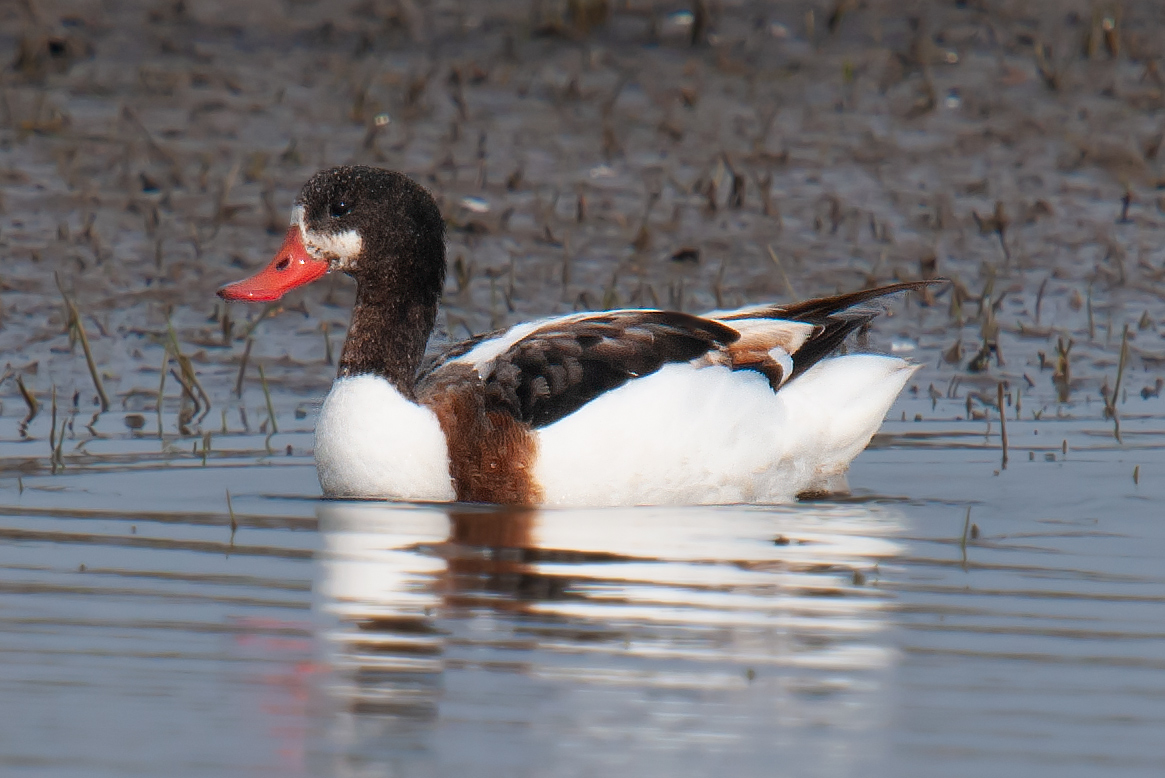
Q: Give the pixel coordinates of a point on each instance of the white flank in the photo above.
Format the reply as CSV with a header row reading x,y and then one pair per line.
x,y
341,249
707,435
372,442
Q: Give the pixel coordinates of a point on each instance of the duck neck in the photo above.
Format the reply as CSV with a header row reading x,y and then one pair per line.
x,y
387,337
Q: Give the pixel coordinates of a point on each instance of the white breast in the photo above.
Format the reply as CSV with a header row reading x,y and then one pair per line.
x,y
372,442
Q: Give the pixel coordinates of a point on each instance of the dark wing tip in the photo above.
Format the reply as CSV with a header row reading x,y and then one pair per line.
x,y
840,315
825,307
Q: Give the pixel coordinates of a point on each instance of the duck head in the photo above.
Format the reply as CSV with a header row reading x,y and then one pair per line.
x,y
378,226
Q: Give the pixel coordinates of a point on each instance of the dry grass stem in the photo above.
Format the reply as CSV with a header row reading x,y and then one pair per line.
x,y
784,276
243,368
1002,424
78,328
267,397
29,399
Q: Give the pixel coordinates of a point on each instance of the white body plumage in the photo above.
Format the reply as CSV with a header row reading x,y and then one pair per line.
x,y
683,435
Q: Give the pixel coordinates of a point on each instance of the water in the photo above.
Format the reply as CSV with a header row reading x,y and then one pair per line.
x,y
837,638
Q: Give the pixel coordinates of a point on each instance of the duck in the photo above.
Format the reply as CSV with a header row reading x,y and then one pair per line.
x,y
602,408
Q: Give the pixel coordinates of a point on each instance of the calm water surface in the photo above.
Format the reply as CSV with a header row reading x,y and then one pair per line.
x,y
142,636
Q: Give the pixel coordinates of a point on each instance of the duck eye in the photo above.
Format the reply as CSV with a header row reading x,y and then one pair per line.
x,y
340,208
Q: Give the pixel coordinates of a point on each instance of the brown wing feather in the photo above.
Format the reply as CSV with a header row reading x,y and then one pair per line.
x,y
557,369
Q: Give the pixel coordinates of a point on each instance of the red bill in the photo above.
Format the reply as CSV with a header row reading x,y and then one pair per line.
x,y
292,267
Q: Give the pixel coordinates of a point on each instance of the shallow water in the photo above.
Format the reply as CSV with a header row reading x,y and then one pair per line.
x,y
834,638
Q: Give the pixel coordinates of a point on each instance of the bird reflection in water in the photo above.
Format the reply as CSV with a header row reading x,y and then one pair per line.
x,y
541,636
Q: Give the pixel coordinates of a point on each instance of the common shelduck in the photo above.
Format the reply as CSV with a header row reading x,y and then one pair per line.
x,y
620,407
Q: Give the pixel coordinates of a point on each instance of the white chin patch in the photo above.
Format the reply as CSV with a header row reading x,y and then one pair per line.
x,y
340,249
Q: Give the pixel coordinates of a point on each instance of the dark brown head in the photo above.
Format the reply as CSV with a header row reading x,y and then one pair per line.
x,y
378,226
